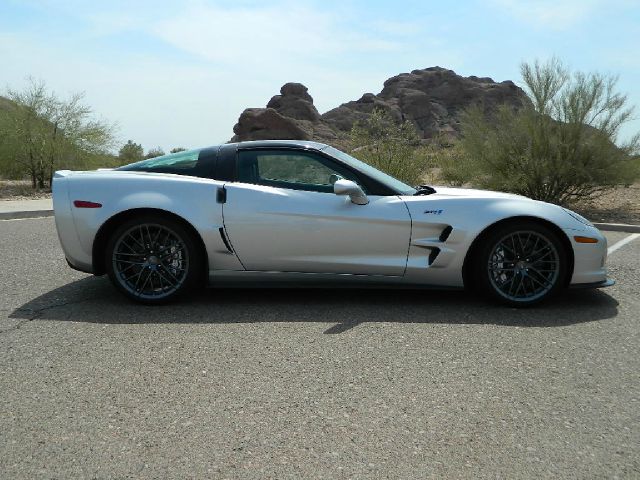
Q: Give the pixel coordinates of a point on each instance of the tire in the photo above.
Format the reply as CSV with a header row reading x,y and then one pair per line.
x,y
154,260
520,264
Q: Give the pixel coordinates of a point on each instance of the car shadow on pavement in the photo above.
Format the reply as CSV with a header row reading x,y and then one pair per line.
x,y
94,300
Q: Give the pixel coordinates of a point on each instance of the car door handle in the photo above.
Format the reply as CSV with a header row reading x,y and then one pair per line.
x,y
221,196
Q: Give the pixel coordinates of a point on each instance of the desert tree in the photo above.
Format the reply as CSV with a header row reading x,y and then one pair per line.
x,y
51,132
131,152
563,146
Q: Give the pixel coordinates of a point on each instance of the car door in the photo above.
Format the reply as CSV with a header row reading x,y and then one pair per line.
x,y
282,215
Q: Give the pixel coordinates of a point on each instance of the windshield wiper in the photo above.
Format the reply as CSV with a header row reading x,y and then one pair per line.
x,y
424,190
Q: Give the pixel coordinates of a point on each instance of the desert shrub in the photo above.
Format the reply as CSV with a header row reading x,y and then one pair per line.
x,y
562,146
131,152
389,146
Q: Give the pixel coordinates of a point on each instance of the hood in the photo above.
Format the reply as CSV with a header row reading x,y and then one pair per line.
x,y
472,193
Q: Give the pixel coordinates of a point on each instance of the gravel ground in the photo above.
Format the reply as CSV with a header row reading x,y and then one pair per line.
x,y
620,205
310,384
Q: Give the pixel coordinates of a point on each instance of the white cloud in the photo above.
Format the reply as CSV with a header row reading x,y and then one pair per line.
x,y
267,35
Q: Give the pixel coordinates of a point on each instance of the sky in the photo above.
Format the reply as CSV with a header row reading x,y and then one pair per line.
x,y
175,73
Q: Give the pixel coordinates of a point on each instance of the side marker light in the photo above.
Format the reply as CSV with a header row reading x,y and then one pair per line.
x,y
86,204
585,239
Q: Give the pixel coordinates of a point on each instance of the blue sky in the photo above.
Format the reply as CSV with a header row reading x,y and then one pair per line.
x,y
180,73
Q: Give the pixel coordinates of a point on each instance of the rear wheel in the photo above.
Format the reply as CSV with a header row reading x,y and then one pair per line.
x,y
521,264
153,260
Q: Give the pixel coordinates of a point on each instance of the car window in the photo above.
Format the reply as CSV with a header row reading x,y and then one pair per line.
x,y
172,163
291,169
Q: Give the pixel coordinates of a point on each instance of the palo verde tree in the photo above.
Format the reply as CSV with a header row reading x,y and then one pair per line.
x,y
131,152
50,133
389,146
561,147
154,152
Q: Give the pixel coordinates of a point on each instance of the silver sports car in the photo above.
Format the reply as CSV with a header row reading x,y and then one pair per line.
x,y
296,213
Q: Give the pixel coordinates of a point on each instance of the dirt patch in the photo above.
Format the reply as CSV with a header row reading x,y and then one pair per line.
x,y
620,205
21,190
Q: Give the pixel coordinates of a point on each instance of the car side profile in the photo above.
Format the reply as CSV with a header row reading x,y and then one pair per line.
x,y
295,213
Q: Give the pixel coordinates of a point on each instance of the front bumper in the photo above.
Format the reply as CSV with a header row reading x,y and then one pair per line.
x,y
607,282
589,267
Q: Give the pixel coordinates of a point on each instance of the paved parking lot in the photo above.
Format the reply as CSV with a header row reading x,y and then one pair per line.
x,y
311,383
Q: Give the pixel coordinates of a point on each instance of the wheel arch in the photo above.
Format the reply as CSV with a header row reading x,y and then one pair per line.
x,y
107,228
566,243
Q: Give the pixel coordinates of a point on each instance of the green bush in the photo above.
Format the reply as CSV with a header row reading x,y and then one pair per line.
x,y
389,146
559,148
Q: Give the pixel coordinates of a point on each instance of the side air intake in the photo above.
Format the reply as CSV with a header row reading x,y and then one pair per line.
x,y
433,255
445,234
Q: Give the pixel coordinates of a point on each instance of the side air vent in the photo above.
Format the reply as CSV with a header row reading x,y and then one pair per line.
x,y
445,233
224,240
433,255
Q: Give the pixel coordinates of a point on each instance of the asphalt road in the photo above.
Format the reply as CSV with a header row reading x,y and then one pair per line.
x,y
310,384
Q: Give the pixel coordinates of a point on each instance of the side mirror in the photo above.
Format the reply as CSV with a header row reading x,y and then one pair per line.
x,y
334,178
347,187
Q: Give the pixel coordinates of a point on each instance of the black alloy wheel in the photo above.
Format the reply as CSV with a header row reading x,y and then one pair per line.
x,y
153,260
521,264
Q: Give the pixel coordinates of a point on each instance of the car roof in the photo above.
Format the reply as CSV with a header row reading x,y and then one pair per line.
x,y
280,144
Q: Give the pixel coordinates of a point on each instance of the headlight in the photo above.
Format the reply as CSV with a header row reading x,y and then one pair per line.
x,y
578,217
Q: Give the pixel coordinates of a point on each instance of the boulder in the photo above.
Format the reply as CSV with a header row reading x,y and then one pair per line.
x,y
266,124
432,99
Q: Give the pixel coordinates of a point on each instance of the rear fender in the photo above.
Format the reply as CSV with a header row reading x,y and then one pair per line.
x,y
189,198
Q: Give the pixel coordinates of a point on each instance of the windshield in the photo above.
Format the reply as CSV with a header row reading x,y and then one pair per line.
x,y
393,183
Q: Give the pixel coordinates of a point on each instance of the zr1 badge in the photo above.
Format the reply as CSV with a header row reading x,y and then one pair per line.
x,y
433,212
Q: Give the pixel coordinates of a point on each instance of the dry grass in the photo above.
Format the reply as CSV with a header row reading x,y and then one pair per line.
x,y
21,190
620,205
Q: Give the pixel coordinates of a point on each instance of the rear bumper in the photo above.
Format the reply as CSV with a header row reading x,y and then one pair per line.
x,y
79,268
607,282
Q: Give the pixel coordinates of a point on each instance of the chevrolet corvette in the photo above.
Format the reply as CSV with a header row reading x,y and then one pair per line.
x,y
296,213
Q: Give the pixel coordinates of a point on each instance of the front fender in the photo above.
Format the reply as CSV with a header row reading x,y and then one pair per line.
x,y
467,218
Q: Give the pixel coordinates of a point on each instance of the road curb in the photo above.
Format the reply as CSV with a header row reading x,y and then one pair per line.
x,y
618,227
25,214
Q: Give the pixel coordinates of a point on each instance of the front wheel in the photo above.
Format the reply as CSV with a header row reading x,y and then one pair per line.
x,y
521,264
153,260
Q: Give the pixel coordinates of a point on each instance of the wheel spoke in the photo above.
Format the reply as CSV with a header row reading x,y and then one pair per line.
x,y
544,283
129,261
141,290
162,277
169,272
135,240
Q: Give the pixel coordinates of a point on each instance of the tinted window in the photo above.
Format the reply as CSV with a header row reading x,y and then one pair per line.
x,y
290,169
385,179
184,163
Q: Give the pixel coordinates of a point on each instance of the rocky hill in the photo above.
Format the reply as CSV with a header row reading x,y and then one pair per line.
x,y
432,99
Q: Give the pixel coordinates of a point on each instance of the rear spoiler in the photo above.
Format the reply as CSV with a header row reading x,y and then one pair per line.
x,y
62,173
